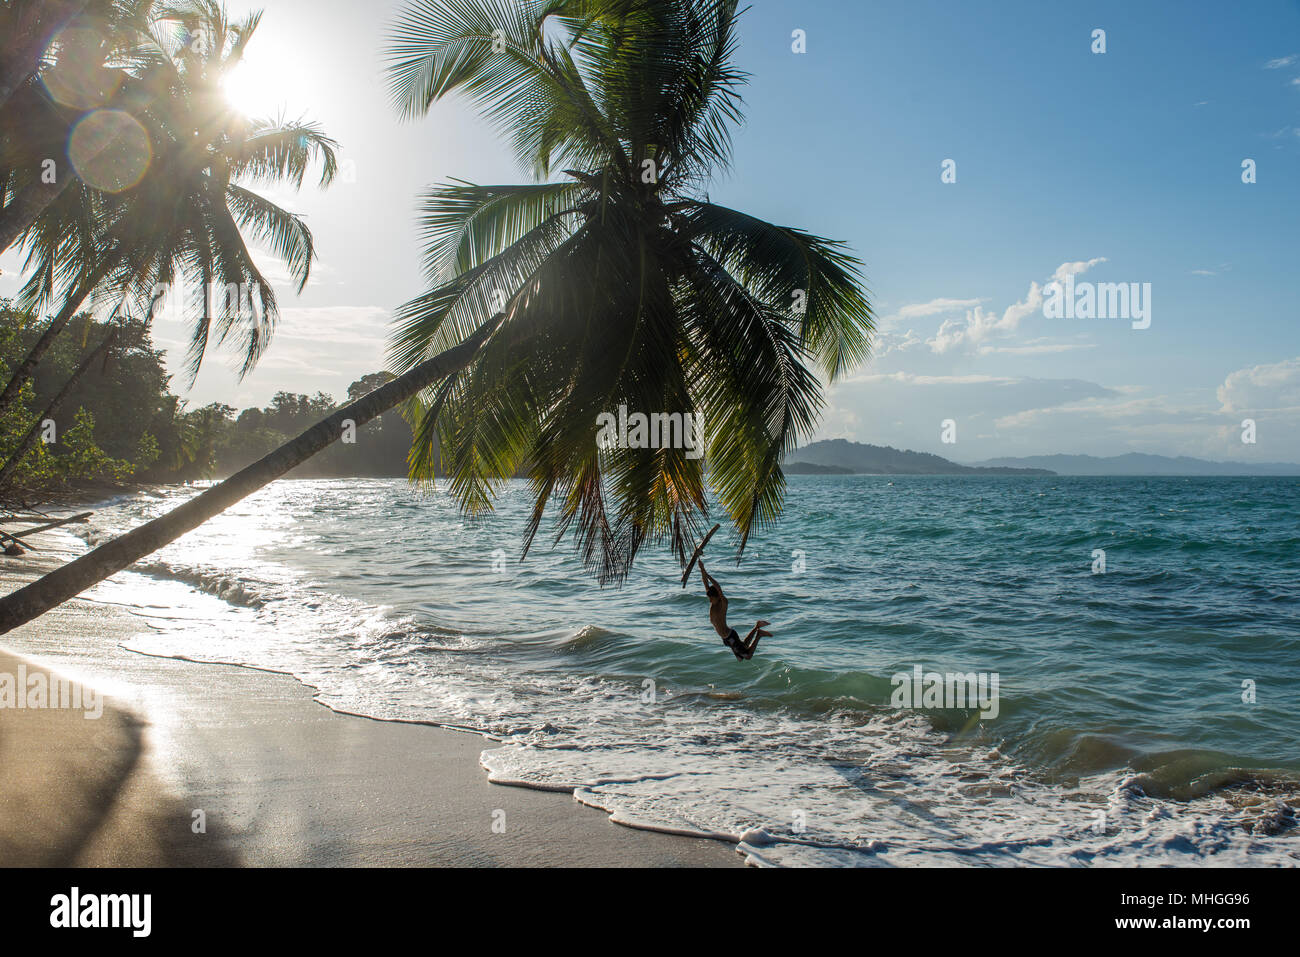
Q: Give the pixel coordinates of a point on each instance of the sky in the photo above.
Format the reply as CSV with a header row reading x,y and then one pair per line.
x,y
1122,166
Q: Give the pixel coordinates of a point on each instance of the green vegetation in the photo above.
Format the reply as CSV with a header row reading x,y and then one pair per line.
x,y
120,422
167,199
610,280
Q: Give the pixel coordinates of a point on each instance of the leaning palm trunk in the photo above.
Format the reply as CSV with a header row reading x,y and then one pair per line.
x,y
29,440
70,580
56,326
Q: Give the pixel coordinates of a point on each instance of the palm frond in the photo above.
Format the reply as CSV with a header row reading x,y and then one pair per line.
x,y
815,281
464,225
613,291
496,53
273,151
283,233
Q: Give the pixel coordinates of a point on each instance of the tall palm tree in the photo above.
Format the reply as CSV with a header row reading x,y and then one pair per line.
x,y
65,235
60,50
557,301
186,217
632,290
191,213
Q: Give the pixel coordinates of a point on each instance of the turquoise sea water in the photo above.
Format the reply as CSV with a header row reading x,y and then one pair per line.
x,y
1121,733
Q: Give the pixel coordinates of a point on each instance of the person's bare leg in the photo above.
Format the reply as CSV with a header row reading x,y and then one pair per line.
x,y
756,633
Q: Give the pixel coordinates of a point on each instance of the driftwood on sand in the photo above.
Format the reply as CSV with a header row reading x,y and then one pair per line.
x,y
15,542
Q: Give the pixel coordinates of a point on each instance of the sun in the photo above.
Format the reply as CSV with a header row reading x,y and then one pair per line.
x,y
261,89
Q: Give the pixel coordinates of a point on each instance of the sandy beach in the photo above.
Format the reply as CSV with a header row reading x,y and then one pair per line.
x,y
274,778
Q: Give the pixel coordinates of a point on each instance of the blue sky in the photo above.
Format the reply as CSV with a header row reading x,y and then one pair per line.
x,y
1062,156
1129,160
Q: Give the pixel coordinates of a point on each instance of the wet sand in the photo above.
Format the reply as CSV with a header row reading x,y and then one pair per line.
x,y
198,764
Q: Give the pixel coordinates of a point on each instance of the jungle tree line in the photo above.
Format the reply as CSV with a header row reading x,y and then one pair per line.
x,y
121,422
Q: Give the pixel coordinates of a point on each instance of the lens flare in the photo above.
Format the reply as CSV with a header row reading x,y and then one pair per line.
x,y
78,78
110,150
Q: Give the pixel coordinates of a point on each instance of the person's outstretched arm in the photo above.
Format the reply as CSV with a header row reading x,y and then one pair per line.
x,y
710,580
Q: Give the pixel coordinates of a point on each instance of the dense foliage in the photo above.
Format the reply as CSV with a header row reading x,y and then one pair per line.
x,y
611,281
121,422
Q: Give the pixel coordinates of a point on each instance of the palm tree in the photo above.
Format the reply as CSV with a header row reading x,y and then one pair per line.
x,y
69,45
64,253
185,218
27,27
556,301
189,217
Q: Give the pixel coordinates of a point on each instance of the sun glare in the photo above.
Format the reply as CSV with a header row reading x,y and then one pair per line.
x,y
257,89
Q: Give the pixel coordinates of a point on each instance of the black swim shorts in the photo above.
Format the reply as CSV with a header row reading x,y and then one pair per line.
x,y
737,646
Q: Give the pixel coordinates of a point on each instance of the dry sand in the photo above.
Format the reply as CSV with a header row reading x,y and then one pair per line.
x,y
280,780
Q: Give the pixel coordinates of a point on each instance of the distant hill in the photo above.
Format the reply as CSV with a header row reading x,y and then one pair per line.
x,y
1136,463
807,468
844,457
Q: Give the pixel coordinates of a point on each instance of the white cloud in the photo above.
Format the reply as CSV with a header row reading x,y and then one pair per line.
x,y
11,278
909,378
1273,387
1106,425
1167,425
935,307
905,409
1066,270
276,271
886,342
981,325
1007,415
1280,62
1096,407
1036,348
315,348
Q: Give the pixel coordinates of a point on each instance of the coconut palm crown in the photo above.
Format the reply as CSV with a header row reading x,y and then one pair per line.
x,y
615,282
188,213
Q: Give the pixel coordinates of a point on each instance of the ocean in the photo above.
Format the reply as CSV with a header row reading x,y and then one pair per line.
x,y
1146,709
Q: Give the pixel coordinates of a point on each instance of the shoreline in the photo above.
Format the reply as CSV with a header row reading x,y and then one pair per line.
x,y
274,777
224,650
